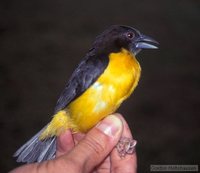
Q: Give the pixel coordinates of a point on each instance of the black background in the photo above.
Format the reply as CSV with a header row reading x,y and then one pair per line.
x,y
41,41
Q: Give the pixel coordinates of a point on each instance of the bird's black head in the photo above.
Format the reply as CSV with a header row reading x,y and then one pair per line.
x,y
118,36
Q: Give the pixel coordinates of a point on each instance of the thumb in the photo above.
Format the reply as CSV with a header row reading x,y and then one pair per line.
x,y
96,145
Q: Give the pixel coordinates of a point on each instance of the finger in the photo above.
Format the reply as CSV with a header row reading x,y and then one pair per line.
x,y
105,166
128,164
96,145
65,143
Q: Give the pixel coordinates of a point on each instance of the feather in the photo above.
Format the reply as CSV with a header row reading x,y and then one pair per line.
x,y
36,150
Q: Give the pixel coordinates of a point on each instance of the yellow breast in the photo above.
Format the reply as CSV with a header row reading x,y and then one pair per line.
x,y
108,92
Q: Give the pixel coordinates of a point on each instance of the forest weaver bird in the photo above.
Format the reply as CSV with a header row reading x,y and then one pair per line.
x,y
106,76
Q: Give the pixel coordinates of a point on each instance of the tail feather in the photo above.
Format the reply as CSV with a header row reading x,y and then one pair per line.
x,y
36,150
48,150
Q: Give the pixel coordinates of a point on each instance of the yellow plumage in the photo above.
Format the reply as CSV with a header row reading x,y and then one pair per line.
x,y
102,98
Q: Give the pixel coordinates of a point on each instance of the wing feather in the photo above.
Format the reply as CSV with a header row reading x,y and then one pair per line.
x,y
87,72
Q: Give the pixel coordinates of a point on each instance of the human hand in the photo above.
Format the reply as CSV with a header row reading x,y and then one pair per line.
x,y
95,151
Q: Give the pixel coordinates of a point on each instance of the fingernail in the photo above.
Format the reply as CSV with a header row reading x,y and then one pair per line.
x,y
110,126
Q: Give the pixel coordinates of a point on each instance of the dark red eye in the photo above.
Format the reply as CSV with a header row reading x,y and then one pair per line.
x,y
130,35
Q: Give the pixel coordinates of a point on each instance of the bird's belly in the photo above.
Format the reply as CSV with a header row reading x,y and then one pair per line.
x,y
97,102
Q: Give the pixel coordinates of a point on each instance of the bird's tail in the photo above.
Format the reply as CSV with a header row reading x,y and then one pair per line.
x,y
37,150
42,146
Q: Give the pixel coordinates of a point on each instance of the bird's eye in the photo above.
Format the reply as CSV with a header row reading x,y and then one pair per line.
x,y
130,35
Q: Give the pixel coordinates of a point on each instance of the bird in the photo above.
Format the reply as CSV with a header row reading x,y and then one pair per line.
x,y
104,78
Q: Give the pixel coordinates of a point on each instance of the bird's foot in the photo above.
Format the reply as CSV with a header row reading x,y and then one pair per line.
x,y
126,146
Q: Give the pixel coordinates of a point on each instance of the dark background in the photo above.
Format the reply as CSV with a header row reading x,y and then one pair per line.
x,y
41,41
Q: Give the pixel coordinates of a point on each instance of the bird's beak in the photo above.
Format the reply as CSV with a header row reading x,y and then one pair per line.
x,y
144,42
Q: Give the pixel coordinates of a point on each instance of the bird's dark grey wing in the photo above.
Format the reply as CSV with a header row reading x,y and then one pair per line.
x,y
90,68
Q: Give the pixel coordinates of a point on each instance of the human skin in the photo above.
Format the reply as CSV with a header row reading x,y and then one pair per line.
x,y
88,153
